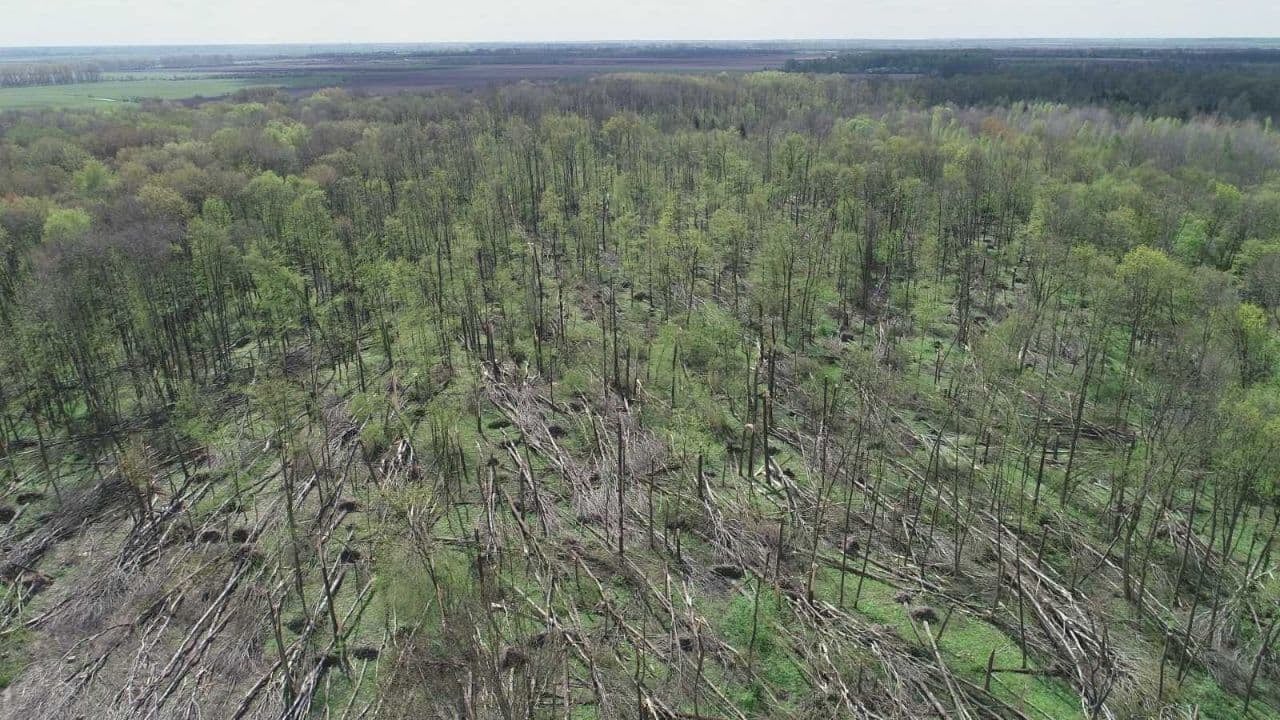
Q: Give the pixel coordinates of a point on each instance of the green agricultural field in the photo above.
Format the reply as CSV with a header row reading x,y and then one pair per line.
x,y
109,92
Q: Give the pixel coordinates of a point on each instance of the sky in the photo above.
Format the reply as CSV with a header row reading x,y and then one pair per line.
x,y
133,22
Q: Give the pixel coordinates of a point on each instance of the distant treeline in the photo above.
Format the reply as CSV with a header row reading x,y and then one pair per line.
x,y
168,62
922,62
1238,84
29,74
545,54
65,73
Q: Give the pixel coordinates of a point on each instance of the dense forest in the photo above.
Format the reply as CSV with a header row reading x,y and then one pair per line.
x,y
1181,83
751,396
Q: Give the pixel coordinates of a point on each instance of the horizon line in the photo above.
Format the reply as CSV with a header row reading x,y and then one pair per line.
x,y
659,41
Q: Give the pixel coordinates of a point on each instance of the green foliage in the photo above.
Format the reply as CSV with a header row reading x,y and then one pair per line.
x,y
1192,242
163,202
1254,343
1250,441
94,179
66,225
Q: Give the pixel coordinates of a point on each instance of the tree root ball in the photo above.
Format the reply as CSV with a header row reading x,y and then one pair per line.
x,y
364,652
849,546
513,657
924,613
248,552
733,572
33,581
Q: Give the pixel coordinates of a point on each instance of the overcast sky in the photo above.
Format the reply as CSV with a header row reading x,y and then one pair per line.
x,y
110,22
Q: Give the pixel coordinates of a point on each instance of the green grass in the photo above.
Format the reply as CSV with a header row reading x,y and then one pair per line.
x,y
13,655
965,645
1212,702
771,659
115,92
